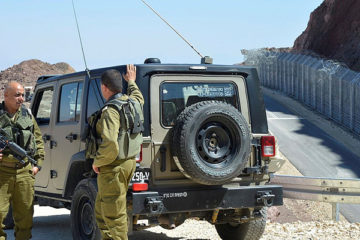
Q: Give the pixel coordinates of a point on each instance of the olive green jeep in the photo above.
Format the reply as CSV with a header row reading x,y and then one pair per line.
x,y
207,152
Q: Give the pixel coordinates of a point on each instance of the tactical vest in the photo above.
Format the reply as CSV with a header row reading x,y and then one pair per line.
x,y
20,131
130,132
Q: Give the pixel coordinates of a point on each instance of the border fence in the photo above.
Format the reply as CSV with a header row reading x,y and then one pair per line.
x,y
324,85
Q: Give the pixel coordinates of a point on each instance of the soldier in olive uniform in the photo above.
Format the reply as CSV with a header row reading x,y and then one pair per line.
x,y
114,173
16,179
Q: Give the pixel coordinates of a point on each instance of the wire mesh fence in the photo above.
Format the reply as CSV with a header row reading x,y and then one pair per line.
x,y
324,85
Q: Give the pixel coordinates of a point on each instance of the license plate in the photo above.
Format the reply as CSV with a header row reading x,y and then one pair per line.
x,y
141,175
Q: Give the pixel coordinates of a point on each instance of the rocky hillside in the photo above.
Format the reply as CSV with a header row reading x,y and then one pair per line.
x,y
333,32
28,71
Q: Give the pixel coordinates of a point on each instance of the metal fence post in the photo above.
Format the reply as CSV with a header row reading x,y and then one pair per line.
x,y
335,211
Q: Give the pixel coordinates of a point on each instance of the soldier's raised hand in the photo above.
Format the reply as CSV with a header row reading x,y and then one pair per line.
x,y
130,73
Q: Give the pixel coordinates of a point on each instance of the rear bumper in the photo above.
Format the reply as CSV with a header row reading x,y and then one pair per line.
x,y
184,200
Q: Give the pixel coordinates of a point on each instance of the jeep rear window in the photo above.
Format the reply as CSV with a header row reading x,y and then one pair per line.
x,y
175,97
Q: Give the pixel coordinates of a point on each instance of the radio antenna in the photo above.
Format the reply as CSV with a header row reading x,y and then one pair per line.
x,y
82,48
175,31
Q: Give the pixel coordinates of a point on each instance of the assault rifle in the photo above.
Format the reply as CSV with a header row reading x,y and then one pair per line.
x,y
18,152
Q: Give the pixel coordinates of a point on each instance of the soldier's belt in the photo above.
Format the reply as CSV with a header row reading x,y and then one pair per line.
x,y
16,165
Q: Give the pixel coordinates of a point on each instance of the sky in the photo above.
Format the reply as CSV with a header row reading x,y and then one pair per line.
x,y
116,32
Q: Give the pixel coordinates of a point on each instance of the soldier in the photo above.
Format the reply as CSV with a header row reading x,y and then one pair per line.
x,y
16,179
114,172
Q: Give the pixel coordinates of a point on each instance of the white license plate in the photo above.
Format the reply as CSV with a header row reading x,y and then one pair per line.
x,y
141,175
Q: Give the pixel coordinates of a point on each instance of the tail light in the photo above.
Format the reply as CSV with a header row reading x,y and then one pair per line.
x,y
138,157
141,186
268,146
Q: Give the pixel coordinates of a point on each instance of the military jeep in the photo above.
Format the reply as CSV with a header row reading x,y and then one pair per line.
x,y
207,152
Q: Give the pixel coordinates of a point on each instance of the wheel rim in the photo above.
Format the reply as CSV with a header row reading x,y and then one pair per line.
x,y
86,217
214,142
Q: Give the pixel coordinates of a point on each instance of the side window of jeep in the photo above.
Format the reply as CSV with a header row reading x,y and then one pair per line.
x,y
70,102
175,97
42,111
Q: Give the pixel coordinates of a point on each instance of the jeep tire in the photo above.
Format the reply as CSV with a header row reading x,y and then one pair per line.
x,y
251,230
83,223
211,142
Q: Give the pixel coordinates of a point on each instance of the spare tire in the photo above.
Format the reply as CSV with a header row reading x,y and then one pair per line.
x,y
211,142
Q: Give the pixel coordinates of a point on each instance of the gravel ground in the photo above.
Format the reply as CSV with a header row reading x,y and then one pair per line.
x,y
54,224
200,230
328,230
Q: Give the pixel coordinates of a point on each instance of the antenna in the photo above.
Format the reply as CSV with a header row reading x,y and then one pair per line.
x,y
82,48
205,59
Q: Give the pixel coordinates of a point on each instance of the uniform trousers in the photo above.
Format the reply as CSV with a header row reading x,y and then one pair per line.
x,y
110,205
17,188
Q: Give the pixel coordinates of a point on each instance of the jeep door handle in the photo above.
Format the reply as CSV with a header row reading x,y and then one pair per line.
x,y
46,138
52,144
71,137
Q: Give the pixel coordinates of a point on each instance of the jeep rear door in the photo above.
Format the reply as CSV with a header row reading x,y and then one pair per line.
x,y
170,95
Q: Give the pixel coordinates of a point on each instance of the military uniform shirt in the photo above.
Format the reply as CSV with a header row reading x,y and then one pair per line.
x,y
40,152
108,128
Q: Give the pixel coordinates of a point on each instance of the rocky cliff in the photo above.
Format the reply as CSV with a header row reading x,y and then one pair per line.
x,y
333,32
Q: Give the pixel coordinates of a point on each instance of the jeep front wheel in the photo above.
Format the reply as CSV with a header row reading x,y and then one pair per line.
x,y
83,223
211,142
